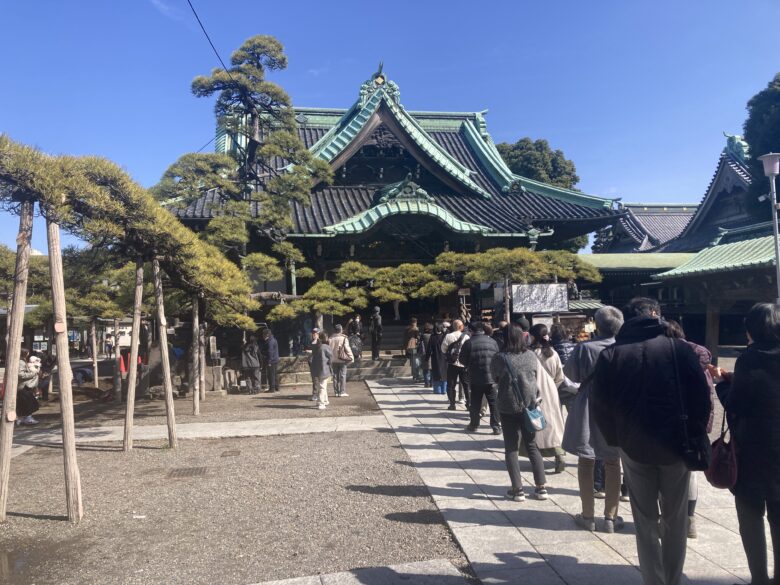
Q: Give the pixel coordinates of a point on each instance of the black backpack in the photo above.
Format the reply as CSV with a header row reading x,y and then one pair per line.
x,y
453,351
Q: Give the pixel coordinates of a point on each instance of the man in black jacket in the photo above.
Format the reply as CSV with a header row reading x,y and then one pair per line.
x,y
642,386
476,355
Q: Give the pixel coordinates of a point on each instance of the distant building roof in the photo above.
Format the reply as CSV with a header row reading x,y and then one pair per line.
x,y
636,262
646,226
754,253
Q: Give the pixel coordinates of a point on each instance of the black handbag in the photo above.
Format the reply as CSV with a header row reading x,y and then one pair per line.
x,y
696,450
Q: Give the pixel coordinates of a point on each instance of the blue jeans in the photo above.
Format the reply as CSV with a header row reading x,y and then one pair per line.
x,y
426,376
414,361
440,387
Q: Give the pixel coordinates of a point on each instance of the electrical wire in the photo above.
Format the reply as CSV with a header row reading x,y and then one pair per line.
x,y
208,38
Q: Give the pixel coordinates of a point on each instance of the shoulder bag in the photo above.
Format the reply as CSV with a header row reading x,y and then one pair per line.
x,y
533,420
722,472
696,452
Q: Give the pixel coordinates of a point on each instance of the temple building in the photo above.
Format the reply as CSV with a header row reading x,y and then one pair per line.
x,y
411,184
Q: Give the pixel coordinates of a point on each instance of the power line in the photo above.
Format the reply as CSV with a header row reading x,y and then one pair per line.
x,y
205,145
208,38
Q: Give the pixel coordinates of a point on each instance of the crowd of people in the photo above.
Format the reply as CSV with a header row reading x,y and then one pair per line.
x,y
639,401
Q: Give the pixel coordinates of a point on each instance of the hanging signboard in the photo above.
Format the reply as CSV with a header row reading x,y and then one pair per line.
x,y
540,298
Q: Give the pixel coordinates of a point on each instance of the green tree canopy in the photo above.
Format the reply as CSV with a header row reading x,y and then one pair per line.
x,y
194,174
535,159
762,130
274,166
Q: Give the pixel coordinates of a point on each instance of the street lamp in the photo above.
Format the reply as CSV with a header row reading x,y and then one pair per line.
x,y
772,169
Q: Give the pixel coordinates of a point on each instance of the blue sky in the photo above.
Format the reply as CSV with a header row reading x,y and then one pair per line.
x,y
637,94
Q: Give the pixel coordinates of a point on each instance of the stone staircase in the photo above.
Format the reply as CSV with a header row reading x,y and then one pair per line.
x,y
392,364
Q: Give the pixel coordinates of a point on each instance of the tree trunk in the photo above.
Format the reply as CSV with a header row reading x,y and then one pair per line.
x,y
293,279
132,369
162,326
72,476
319,320
194,357
202,361
117,362
93,334
507,300
13,348
396,310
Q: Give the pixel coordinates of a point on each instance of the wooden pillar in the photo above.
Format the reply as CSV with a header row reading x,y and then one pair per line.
x,y
202,361
13,349
712,331
72,476
162,327
507,301
132,370
117,361
195,356
93,334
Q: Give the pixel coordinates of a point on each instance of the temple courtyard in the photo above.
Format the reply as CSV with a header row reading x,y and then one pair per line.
x,y
385,487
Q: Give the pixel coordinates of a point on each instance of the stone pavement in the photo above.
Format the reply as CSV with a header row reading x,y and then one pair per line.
x,y
436,572
536,541
28,437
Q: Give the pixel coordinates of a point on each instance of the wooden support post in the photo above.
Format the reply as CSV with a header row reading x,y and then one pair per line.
x,y
93,335
712,332
13,348
117,362
72,476
195,356
507,301
162,327
202,361
132,370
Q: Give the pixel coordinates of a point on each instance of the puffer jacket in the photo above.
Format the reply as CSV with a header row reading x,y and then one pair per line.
x,y
477,354
525,365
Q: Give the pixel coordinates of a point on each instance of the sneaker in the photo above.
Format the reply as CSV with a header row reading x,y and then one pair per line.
x,y
516,495
451,407
482,413
344,395
625,498
599,494
461,401
313,398
496,430
612,524
540,493
692,533
471,429
585,523
29,420
321,407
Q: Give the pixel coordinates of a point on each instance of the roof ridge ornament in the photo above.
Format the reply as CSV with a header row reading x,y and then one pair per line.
x,y
405,189
736,146
379,82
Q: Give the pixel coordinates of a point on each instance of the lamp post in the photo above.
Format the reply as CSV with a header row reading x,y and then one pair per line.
x,y
772,169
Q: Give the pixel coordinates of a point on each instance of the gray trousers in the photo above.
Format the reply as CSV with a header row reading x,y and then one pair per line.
x,y
661,554
339,378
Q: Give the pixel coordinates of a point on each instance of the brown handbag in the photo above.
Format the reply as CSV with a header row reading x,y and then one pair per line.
x,y
722,472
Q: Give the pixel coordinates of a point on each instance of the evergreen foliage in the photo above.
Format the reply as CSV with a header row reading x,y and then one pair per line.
x,y
762,130
535,159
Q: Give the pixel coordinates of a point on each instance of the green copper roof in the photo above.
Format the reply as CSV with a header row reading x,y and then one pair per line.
x,y
366,220
657,261
373,93
755,253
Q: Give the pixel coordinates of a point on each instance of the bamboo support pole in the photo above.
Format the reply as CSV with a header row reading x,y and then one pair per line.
x,y
132,370
194,356
72,476
202,362
13,348
162,327
117,364
93,334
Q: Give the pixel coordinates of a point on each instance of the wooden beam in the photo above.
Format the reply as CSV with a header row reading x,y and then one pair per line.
x,y
195,356
132,369
162,327
712,329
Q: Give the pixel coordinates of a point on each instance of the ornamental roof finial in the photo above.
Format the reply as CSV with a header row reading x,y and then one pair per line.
x,y
736,147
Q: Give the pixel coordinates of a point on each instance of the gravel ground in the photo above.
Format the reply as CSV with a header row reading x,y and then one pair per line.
x,y
266,508
290,402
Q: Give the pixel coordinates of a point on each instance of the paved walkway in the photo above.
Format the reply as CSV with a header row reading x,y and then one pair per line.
x,y
27,438
436,572
536,542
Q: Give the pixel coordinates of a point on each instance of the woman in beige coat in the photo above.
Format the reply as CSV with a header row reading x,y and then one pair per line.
x,y
550,378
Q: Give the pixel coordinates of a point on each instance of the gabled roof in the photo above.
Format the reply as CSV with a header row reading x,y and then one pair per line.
x,y
477,187
754,253
650,225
